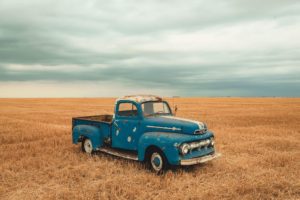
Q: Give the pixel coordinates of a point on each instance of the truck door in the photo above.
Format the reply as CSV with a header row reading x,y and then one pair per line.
x,y
126,126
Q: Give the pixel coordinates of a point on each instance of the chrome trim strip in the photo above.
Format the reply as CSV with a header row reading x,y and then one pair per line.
x,y
167,128
198,160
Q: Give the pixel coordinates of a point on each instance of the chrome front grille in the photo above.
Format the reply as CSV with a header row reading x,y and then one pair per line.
x,y
201,144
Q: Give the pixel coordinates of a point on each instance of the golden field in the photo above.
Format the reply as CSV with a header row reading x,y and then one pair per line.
x,y
259,139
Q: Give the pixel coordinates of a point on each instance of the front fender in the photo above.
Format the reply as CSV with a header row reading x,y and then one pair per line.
x,y
91,132
167,142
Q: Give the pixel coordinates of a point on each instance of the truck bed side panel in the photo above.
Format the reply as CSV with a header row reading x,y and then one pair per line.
x,y
97,131
86,131
104,126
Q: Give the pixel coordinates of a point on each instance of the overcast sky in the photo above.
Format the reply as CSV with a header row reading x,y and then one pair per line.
x,y
75,48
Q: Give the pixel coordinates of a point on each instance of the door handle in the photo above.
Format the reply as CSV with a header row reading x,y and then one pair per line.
x,y
116,125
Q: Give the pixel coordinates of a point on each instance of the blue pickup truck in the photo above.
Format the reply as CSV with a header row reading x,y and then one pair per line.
x,y
144,128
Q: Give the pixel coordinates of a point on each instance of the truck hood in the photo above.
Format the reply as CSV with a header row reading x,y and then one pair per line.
x,y
174,124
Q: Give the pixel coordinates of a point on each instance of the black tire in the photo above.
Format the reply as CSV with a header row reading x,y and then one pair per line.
x,y
86,146
157,161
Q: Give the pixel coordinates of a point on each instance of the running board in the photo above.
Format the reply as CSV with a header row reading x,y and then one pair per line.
x,y
119,153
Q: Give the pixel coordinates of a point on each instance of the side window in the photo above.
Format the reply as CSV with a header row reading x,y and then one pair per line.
x,y
127,109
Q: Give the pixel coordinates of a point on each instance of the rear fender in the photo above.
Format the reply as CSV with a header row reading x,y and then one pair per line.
x,y
86,131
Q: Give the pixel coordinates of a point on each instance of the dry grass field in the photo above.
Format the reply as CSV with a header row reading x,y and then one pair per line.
x,y
258,137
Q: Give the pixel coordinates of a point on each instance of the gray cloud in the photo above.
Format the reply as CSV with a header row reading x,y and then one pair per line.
x,y
243,48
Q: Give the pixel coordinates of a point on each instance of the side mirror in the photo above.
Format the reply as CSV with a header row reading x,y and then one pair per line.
x,y
175,110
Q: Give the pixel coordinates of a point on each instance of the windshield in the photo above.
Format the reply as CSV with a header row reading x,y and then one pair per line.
x,y
155,108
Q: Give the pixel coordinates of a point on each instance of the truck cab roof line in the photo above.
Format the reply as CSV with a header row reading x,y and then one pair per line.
x,y
140,98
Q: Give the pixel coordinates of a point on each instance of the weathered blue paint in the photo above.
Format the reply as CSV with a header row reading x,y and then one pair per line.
x,y
126,129
169,143
138,133
88,131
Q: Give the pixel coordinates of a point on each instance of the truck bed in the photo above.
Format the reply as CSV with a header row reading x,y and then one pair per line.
x,y
96,118
102,122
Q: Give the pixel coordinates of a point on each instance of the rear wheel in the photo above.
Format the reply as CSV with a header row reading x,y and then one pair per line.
x,y
87,146
157,161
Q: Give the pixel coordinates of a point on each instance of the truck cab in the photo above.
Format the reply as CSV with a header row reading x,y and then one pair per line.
x,y
143,128
130,120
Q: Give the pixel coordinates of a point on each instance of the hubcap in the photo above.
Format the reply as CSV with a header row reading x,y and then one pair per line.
x,y
156,161
88,147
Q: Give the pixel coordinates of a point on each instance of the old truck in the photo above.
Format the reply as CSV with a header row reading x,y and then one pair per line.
x,y
144,128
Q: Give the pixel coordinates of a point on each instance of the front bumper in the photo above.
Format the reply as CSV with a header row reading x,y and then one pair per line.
x,y
203,159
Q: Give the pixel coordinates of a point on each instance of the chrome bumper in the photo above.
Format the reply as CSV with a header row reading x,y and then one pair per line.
x,y
202,159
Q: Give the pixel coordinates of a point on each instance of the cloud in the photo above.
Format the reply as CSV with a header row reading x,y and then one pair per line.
x,y
195,49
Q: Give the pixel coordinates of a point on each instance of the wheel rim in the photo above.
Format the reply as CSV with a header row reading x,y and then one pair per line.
x,y
88,147
156,161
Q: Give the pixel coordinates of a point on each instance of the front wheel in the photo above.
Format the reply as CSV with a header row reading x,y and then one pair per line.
x,y
87,146
157,161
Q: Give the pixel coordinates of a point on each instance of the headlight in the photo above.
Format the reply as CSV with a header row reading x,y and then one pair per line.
x,y
184,148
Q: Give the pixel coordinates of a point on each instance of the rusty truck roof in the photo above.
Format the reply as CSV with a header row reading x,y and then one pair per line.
x,y
140,98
